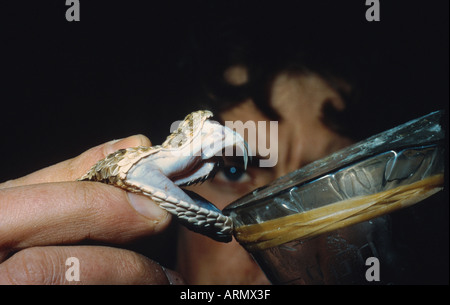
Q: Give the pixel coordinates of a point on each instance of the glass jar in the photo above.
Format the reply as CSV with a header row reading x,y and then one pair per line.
x,y
331,221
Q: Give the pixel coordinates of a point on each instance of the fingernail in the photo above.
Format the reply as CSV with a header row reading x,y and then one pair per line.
x,y
113,146
146,207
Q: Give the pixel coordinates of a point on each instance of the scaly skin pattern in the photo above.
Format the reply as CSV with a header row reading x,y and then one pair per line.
x,y
189,155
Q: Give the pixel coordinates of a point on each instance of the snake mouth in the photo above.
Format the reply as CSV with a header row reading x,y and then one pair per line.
x,y
200,173
204,170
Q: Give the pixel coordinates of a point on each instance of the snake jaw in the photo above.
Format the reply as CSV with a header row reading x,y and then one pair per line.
x,y
206,171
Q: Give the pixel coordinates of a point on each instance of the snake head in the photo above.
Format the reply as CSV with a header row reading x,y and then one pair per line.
x,y
191,154
199,145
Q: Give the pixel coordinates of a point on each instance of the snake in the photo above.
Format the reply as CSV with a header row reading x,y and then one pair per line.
x,y
191,154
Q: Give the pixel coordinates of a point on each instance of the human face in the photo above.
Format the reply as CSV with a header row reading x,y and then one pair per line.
x,y
302,138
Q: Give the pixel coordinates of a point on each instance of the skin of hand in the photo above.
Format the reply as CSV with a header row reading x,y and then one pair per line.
x,y
46,216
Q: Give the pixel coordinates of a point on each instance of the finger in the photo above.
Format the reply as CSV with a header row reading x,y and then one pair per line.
x,y
74,168
83,265
72,212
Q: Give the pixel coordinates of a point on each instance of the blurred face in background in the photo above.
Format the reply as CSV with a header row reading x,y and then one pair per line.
x,y
303,137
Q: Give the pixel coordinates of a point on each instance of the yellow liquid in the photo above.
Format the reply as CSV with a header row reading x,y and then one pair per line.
x,y
334,216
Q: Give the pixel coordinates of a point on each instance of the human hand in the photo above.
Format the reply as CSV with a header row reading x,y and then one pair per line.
x,y
45,216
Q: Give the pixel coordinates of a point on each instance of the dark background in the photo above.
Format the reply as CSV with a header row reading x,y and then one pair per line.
x,y
127,67
133,67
